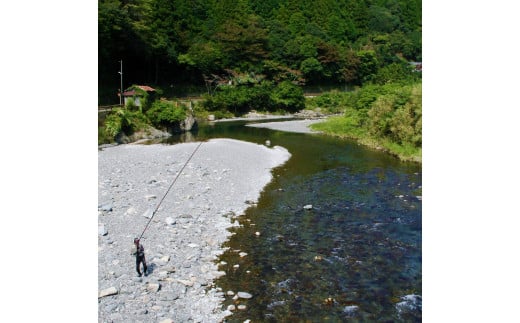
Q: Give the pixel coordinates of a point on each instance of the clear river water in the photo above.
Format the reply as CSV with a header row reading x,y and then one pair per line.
x,y
354,256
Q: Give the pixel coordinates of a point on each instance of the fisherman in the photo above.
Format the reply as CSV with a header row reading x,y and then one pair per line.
x,y
138,251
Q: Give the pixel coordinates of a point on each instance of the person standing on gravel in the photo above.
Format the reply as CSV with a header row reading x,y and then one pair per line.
x,y
138,251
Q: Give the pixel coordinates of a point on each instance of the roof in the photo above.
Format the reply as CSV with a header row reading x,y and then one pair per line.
x,y
131,90
146,88
129,93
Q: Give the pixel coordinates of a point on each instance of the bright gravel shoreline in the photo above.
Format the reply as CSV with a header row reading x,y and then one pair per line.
x,y
186,234
301,126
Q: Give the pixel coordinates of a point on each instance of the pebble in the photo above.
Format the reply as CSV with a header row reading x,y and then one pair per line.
x,y
350,310
244,295
148,213
153,287
108,292
165,258
107,206
308,207
102,231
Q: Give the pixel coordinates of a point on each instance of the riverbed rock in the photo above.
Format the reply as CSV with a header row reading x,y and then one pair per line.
x,y
108,292
102,231
409,303
106,206
308,207
350,310
131,211
153,287
244,295
148,213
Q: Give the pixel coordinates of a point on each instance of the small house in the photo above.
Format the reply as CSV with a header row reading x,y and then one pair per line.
x,y
137,93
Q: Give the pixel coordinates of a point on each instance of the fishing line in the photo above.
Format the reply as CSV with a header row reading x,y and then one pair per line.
x,y
169,188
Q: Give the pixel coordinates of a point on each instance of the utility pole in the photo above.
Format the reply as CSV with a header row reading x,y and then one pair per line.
x,y
121,89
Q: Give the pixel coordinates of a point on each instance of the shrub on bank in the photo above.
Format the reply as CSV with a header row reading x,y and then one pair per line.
x,y
164,114
123,120
262,96
388,116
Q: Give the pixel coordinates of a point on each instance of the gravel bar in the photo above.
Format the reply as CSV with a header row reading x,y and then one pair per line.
x,y
185,237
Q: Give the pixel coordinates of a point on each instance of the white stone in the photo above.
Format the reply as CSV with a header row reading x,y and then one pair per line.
x,y
148,213
102,231
308,207
165,258
244,295
188,283
242,254
167,321
170,221
242,307
153,287
131,211
108,292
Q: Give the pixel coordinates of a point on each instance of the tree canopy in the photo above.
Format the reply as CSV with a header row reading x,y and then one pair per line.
x,y
171,42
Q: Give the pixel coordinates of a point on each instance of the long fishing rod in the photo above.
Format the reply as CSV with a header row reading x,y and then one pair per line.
x,y
169,188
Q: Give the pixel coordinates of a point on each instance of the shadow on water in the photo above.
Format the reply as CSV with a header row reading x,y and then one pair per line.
x,y
354,256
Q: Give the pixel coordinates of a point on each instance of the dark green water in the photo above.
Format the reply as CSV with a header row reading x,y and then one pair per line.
x,y
355,256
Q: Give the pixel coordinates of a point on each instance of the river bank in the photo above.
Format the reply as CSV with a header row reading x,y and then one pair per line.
x,y
185,237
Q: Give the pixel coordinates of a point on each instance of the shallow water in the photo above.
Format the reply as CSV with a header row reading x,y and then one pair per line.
x,y
355,256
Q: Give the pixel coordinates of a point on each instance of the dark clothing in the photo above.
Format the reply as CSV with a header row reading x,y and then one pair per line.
x,y
139,258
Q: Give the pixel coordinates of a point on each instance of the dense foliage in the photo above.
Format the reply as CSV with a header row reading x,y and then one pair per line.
x,y
173,42
262,96
387,116
165,115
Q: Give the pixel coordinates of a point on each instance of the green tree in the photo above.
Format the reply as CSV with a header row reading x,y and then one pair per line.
x,y
312,69
368,65
288,96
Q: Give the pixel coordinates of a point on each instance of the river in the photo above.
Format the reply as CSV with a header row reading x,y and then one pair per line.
x,y
355,255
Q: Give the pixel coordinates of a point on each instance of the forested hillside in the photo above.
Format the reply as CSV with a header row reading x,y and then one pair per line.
x,y
176,43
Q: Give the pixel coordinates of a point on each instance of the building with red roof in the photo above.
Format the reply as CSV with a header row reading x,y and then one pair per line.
x,y
137,93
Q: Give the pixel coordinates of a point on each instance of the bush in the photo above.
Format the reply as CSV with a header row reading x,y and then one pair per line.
x,y
124,121
389,116
288,96
165,114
